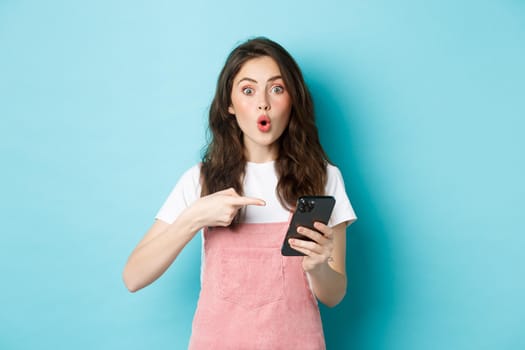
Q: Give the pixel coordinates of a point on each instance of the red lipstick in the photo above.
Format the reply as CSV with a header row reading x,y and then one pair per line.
x,y
263,123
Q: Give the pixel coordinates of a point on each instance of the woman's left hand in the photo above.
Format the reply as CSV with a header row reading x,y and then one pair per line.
x,y
318,251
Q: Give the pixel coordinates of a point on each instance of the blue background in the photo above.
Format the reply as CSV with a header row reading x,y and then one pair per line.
x,y
420,103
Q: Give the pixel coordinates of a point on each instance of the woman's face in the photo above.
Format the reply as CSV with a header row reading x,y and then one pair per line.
x,y
261,105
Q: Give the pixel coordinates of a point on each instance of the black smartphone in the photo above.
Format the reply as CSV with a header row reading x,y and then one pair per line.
x,y
309,209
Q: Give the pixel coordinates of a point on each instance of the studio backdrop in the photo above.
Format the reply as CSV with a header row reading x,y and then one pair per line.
x,y
103,106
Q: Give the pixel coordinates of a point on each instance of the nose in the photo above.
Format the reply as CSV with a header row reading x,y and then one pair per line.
x,y
264,105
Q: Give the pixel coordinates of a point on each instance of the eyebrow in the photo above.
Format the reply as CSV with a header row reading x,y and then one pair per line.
x,y
255,81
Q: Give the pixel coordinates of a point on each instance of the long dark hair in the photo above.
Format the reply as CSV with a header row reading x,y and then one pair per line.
x,y
301,162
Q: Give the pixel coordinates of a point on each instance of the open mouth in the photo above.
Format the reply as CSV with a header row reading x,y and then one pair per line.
x,y
263,123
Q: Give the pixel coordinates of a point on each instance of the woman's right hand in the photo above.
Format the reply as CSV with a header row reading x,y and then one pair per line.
x,y
220,208
163,242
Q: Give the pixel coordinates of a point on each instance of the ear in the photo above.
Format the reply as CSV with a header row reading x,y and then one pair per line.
x,y
231,110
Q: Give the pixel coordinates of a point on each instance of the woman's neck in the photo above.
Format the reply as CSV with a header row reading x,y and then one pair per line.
x,y
261,154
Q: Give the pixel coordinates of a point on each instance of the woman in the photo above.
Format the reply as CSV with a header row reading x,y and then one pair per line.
x,y
263,154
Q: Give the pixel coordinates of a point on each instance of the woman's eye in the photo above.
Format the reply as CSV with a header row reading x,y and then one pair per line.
x,y
247,91
278,89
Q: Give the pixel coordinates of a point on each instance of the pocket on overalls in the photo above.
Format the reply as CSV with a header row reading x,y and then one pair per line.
x,y
251,277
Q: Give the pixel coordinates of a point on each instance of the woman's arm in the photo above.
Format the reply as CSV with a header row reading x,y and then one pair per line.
x,y
325,261
163,242
157,251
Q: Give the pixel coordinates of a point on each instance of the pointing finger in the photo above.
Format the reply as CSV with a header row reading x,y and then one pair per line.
x,y
242,201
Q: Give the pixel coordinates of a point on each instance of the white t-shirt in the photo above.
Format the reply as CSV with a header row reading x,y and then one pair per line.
x,y
260,182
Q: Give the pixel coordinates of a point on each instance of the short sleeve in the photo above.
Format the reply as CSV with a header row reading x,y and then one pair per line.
x,y
186,191
343,211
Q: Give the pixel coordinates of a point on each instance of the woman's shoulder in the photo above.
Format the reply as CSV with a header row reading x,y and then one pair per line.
x,y
333,171
186,191
193,172
334,179
190,175
335,186
189,182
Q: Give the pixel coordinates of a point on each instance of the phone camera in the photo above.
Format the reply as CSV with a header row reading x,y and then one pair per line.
x,y
305,205
302,205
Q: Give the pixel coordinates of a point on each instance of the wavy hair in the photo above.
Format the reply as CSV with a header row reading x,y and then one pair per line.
x,y
301,162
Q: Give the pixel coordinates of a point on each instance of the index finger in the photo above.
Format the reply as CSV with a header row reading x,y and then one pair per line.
x,y
242,201
323,228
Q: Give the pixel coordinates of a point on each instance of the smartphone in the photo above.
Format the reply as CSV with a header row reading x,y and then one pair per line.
x,y
309,209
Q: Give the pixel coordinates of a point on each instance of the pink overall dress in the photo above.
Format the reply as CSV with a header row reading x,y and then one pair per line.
x,y
251,296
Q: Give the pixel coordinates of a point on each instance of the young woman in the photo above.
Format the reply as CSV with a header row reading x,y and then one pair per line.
x,y
263,154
